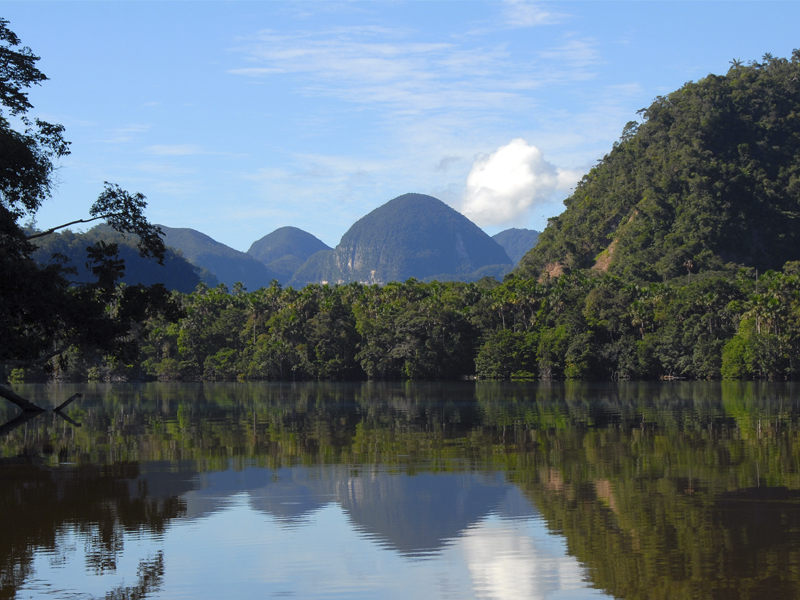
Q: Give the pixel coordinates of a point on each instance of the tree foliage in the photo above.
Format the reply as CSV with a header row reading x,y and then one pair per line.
x,y
42,311
710,176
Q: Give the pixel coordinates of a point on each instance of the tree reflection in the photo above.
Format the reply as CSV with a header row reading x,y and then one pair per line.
x,y
662,491
102,503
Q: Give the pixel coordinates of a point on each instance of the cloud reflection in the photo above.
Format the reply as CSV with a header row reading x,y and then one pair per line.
x,y
506,562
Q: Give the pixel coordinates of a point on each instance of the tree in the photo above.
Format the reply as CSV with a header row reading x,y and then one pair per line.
x,y
42,312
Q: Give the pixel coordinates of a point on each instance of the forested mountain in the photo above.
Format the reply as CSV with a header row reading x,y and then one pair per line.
x,y
516,242
228,265
176,273
710,176
413,235
284,250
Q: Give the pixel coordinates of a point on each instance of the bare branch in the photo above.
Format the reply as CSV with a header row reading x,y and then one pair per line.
x,y
54,229
24,364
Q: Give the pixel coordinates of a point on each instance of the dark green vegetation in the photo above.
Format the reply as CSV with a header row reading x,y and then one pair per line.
x,y
227,265
43,312
571,327
711,176
285,250
517,242
673,491
411,236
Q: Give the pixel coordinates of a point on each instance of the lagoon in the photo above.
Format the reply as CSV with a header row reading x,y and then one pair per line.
x,y
397,490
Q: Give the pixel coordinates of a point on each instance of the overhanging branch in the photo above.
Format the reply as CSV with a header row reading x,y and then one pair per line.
x,y
24,364
54,229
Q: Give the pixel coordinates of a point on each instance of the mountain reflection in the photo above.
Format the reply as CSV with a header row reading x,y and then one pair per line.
x,y
657,491
414,515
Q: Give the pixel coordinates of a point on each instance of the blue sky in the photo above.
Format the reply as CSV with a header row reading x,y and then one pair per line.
x,y
236,118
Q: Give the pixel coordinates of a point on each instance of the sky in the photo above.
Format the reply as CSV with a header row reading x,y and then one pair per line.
x,y
236,118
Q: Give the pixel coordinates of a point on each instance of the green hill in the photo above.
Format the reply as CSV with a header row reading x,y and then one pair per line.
x,y
516,242
413,235
177,273
227,264
284,250
711,176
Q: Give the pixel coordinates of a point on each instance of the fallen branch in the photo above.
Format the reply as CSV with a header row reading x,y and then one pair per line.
x,y
66,402
66,418
25,405
18,421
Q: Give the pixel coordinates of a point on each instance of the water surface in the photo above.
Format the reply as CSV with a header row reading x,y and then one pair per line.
x,y
679,490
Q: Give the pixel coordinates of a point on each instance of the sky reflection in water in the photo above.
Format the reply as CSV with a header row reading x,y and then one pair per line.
x,y
662,491
322,533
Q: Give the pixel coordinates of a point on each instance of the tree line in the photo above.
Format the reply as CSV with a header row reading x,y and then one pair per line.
x,y
580,326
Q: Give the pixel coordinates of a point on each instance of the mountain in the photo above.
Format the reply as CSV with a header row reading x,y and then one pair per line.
x,y
284,250
710,177
176,273
415,515
227,264
516,242
413,235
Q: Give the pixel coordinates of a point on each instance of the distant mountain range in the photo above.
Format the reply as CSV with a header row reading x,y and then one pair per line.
x,y
413,235
227,264
517,242
177,273
285,250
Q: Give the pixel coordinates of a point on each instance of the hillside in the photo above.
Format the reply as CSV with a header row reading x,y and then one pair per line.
x,y
711,176
516,242
413,235
227,264
177,273
284,250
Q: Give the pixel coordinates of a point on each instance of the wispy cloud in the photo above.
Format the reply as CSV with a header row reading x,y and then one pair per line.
x,y
521,13
174,149
379,67
121,135
446,162
368,66
575,52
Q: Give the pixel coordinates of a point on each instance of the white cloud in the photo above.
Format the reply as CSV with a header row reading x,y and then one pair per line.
x,y
506,185
520,13
508,563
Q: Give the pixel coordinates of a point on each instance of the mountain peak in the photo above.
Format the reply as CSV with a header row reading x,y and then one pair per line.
x,y
413,235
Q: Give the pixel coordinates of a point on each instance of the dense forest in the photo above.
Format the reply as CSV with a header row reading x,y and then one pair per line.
x,y
575,326
676,257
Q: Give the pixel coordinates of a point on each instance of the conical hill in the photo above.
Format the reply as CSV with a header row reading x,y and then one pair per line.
x,y
413,235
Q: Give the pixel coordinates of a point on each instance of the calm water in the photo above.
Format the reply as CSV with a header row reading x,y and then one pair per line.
x,y
679,490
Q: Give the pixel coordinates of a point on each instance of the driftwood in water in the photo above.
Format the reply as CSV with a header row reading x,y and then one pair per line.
x,y
29,406
25,405
20,420
66,418
66,402
27,415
